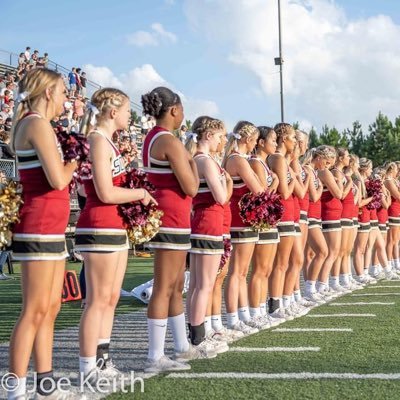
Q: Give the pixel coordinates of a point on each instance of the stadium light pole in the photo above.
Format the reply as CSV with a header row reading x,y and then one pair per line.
x,y
279,61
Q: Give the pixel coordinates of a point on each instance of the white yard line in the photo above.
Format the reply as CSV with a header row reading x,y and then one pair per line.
x,y
374,294
363,303
290,375
340,315
386,286
273,349
313,330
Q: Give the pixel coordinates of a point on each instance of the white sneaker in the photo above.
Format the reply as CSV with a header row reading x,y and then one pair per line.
x,y
360,280
58,395
219,345
258,323
314,297
272,321
391,276
4,277
307,303
299,310
229,334
337,287
280,313
165,364
194,353
244,328
110,370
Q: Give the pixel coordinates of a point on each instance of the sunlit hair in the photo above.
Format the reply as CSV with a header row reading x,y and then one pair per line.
x,y
390,167
104,100
243,130
200,127
282,131
33,85
365,163
379,172
324,151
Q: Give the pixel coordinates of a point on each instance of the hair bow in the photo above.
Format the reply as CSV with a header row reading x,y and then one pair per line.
x,y
192,135
22,96
94,111
234,135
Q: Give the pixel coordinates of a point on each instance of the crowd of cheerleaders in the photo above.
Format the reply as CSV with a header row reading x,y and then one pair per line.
x,y
326,216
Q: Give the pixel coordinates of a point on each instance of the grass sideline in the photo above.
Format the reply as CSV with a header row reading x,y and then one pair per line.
x,y
372,347
139,270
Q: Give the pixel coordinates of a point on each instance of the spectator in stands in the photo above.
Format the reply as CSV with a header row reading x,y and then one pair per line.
x,y
2,82
10,87
83,83
5,111
78,80
79,106
6,98
5,145
3,254
8,124
11,104
182,133
34,59
21,60
1,123
72,81
74,122
27,54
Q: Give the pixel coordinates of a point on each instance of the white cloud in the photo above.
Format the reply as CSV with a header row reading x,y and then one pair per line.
x,y
143,79
169,2
336,69
154,37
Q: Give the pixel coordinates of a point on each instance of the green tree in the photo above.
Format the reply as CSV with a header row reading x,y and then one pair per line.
x,y
381,144
313,139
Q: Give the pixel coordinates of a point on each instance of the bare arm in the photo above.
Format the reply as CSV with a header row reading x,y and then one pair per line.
x,y
182,164
101,154
329,181
229,186
210,171
40,135
300,187
259,170
279,166
393,189
241,167
386,200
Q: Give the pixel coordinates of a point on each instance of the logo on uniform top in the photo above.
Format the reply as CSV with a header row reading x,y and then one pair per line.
x,y
118,166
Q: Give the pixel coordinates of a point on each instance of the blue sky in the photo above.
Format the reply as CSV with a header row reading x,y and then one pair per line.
x,y
195,54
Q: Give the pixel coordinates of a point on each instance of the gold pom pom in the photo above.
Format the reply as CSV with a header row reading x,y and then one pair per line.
x,y
10,202
142,234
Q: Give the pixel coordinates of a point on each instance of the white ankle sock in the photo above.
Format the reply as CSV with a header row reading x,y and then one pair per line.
x,y
334,280
104,341
344,279
254,312
244,313
286,300
157,330
216,323
17,387
232,319
177,325
297,295
86,364
311,286
263,308
207,325
321,286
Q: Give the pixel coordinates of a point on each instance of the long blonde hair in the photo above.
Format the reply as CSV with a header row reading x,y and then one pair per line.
x,y
102,100
31,87
242,130
201,126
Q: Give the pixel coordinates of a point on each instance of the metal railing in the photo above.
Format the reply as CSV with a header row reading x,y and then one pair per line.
x,y
11,59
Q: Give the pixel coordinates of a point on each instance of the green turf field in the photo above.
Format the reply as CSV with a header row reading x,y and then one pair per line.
x,y
371,348
139,270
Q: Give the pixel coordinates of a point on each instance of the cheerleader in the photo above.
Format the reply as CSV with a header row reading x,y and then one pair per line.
x,y
39,237
218,330
296,259
393,237
278,163
305,174
265,249
241,143
331,212
317,159
360,245
100,233
346,277
346,221
207,230
381,268
173,172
